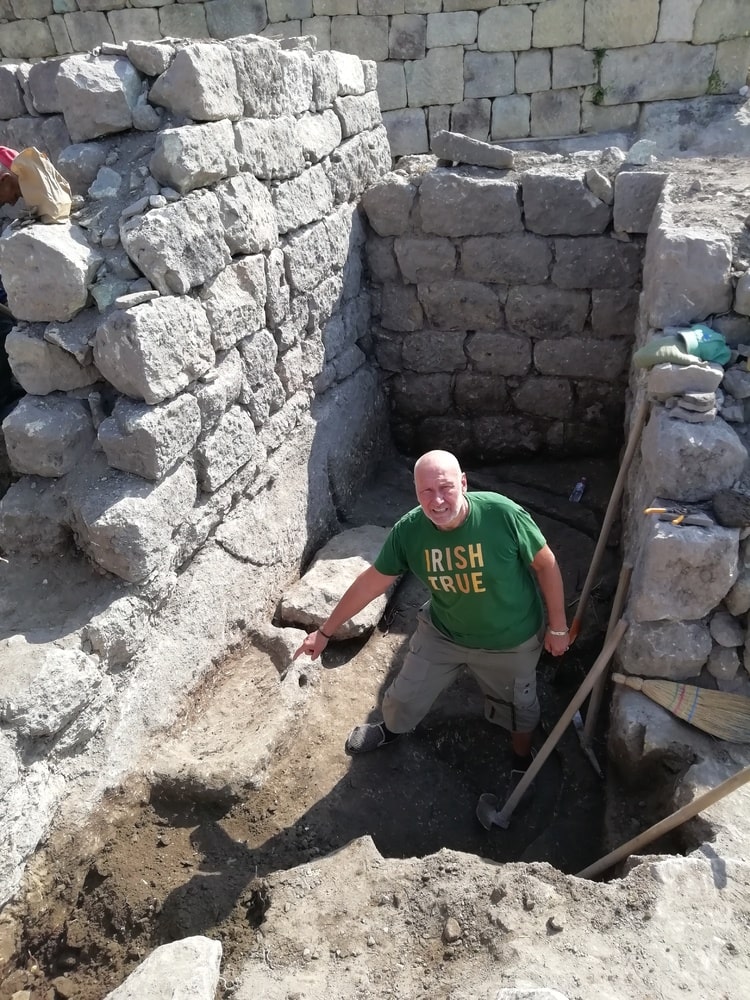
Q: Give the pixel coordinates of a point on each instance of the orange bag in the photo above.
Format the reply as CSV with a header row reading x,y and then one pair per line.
x,y
43,187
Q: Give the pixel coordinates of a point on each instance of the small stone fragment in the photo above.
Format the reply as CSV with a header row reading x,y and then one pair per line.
x,y
451,930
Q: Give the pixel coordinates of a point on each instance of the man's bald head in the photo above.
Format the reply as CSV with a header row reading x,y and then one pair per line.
x,y
441,487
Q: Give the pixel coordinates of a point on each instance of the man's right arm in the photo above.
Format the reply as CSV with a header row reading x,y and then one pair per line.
x,y
368,585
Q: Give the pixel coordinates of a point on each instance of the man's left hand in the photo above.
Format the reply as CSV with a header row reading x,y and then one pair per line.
x,y
556,644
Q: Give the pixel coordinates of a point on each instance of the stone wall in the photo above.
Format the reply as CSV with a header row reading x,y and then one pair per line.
x,y
507,301
690,591
222,258
497,69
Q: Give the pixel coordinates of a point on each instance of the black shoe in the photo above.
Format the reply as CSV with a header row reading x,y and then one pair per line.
x,y
370,736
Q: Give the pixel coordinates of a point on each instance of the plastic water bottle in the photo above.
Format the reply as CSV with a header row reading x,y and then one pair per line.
x,y
578,490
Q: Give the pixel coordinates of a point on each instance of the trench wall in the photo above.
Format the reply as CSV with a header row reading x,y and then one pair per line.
x,y
505,302
487,68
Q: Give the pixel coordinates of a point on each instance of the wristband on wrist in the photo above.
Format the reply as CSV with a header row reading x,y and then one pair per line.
x,y
324,634
554,632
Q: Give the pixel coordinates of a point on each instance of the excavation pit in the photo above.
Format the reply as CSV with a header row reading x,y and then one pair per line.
x,y
190,851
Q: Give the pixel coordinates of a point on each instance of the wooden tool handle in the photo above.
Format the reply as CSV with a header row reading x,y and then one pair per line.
x,y
627,681
635,433
664,826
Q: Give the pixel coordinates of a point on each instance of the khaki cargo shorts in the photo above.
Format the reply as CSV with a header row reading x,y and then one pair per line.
x,y
506,677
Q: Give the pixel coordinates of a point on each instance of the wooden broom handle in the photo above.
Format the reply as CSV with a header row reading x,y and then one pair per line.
x,y
664,826
635,433
563,722
597,692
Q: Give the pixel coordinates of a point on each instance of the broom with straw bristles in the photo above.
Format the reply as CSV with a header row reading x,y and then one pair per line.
x,y
716,712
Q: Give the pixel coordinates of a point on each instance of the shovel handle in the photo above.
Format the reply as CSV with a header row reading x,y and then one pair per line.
x,y
633,438
504,814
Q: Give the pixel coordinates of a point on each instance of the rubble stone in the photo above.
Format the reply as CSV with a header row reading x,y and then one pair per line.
x,y
41,367
149,440
201,83
48,435
194,156
97,95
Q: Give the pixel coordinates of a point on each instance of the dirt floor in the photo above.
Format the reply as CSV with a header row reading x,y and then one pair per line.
x,y
163,860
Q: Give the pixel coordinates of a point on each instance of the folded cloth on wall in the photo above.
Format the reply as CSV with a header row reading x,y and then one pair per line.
x,y
705,343
661,350
681,346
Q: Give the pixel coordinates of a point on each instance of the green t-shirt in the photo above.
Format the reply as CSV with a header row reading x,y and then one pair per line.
x,y
482,592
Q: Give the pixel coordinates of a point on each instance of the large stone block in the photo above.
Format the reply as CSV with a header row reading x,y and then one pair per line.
x,y
480,394
400,308
42,84
469,202
183,21
366,37
520,259
423,260
140,24
658,72
505,29
47,271
533,71
614,312
407,131
194,156
137,351
571,357
97,94
459,28
269,148
247,215
230,18
676,20
11,97
303,199
259,77
433,351
235,301
687,274
460,305
350,73
26,39
511,117
48,435
555,113
318,134
87,29
358,163
596,262
690,462
297,78
32,518
228,448
391,86
125,524
546,311
41,367
564,206
150,440
357,114
558,23
471,119
201,83
389,203
573,66
407,37
488,74
673,649
716,20
637,193
551,398
606,28
683,572
732,63
179,246
436,79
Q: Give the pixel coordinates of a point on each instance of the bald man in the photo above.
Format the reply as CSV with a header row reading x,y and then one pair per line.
x,y
491,576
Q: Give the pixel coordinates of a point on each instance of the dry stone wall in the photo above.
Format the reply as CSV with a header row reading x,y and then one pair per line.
x,y
202,302
506,301
690,592
492,69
